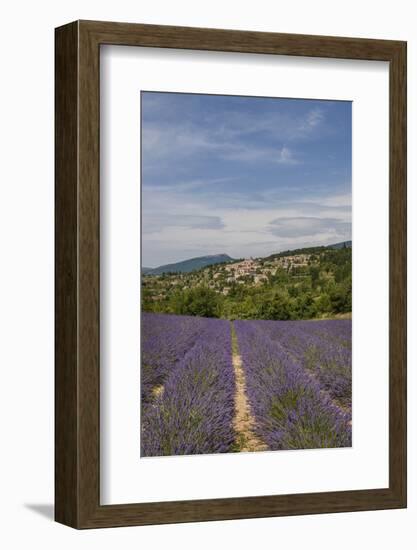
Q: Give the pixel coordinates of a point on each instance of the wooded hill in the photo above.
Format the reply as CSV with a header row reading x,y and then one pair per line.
x,y
299,284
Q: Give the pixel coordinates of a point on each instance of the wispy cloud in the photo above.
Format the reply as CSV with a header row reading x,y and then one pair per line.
x,y
161,144
241,176
286,156
186,186
306,226
235,228
186,221
230,135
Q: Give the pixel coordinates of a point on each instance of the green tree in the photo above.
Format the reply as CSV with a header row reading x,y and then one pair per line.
x,y
200,301
314,274
341,297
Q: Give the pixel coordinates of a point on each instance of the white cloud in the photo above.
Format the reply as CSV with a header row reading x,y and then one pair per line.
x,y
286,156
164,140
191,205
162,144
186,221
338,201
302,226
181,224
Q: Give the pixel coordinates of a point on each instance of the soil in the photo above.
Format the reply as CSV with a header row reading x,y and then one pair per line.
x,y
157,391
244,422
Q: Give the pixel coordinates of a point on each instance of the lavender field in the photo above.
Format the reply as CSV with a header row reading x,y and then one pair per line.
x,y
216,386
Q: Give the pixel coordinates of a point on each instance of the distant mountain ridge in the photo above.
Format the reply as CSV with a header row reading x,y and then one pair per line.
x,y
309,250
343,244
194,264
186,266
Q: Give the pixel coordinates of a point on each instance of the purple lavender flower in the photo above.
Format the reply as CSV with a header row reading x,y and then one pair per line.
x,y
290,408
297,374
194,413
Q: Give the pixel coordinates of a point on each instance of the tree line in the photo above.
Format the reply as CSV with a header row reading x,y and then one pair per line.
x,y
323,288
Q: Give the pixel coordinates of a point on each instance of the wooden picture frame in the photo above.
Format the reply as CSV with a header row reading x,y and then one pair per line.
x,y
77,374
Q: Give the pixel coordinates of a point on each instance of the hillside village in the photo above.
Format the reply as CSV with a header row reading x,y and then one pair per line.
x,y
221,277
301,284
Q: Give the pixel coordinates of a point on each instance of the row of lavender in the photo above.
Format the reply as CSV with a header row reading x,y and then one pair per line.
x,y
290,407
323,348
165,341
191,359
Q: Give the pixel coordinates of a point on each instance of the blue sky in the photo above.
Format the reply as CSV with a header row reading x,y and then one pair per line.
x,y
242,176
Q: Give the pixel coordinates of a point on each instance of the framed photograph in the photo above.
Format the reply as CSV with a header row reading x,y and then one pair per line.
x,y
230,274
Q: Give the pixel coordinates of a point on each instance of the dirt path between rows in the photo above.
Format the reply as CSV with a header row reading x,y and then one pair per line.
x,y
157,391
243,423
